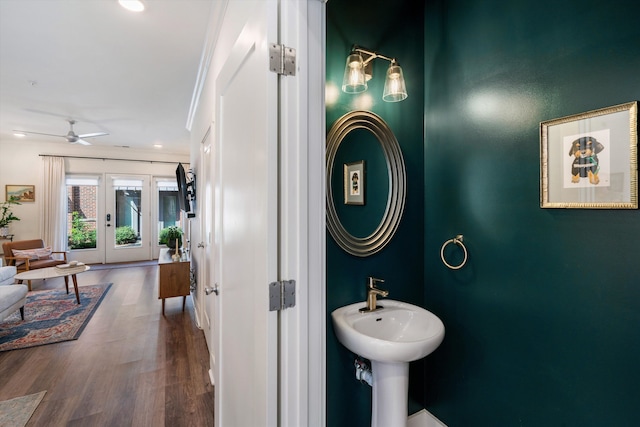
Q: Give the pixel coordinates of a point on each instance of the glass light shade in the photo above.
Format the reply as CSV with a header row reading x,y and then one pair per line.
x,y
354,81
394,86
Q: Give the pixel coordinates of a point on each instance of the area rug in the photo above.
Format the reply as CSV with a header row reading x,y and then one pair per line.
x,y
16,412
51,316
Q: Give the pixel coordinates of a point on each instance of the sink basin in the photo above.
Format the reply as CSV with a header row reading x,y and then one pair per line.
x,y
399,332
390,338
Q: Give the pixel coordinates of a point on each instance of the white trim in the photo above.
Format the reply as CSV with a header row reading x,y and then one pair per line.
x,y
302,112
216,17
316,230
424,418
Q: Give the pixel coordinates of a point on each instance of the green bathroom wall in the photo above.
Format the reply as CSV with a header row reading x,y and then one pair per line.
x,y
543,323
393,31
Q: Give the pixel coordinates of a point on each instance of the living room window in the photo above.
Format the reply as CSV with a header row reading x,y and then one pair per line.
x,y
82,211
169,213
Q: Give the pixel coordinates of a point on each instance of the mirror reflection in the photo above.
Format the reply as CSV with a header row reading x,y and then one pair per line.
x,y
362,137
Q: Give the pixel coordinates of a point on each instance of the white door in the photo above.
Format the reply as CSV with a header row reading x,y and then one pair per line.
x,y
206,235
246,204
86,218
127,219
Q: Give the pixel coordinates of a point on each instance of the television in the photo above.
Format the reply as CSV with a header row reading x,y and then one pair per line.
x,y
186,191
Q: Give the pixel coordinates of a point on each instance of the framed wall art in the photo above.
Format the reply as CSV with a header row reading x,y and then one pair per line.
x,y
24,193
589,160
354,183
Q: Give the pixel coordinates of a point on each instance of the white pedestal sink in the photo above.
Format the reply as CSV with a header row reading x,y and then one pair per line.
x,y
390,338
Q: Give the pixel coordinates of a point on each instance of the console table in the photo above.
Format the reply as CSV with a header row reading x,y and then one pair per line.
x,y
175,278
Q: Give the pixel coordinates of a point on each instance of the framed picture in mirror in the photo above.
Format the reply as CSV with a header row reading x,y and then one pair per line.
x,y
354,183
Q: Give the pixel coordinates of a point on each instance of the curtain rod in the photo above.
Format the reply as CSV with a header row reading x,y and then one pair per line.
x,y
108,158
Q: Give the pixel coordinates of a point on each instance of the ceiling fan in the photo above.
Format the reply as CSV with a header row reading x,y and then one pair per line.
x,y
71,136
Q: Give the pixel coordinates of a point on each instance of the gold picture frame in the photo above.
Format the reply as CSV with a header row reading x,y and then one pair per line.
x,y
24,193
589,160
354,183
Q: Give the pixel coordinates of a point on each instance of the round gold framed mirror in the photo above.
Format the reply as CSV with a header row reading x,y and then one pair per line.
x,y
383,233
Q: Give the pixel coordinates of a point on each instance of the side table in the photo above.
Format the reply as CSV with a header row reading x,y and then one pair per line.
x,y
174,277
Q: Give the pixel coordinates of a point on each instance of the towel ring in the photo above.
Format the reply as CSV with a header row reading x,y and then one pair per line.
x,y
456,241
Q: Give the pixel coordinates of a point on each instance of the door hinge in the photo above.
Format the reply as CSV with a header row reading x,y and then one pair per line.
x,y
282,59
282,295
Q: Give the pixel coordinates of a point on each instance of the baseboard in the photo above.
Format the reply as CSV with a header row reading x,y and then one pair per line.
x,y
212,364
197,313
424,418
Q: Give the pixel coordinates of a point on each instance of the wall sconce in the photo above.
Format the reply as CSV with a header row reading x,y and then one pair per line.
x,y
359,70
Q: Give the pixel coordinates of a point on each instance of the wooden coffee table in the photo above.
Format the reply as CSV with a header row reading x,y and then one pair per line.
x,y
51,272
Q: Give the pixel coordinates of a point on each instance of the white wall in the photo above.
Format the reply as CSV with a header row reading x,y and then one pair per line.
x,y
21,164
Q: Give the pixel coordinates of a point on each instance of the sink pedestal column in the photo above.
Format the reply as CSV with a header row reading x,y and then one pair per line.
x,y
390,394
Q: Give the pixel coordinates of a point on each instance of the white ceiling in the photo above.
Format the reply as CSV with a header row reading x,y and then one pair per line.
x,y
131,75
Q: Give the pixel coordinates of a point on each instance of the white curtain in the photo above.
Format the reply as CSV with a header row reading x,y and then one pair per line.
x,y
54,204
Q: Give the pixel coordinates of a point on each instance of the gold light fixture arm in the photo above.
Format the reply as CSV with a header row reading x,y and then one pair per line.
x,y
371,55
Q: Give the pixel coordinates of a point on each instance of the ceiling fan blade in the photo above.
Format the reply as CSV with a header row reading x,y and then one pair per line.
x,y
39,133
82,142
93,135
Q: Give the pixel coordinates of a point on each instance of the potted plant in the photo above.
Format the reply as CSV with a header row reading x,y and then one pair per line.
x,y
6,216
170,235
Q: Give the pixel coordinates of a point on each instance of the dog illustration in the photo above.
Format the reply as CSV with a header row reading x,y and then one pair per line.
x,y
585,162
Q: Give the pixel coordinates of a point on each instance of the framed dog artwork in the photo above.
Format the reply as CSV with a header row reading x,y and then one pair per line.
x,y
589,160
354,183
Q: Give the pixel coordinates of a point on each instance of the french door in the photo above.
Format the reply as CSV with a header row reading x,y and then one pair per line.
x,y
128,230
118,217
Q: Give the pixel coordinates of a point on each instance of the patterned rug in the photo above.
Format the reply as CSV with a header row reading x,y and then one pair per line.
x,y
51,316
16,412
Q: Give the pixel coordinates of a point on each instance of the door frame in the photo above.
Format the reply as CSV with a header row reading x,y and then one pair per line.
x,y
112,254
203,253
303,254
303,28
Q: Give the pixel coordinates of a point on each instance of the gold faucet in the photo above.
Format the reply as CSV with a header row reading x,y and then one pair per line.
x,y
372,295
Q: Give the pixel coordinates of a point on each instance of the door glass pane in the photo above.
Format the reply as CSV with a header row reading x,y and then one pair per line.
x,y
82,210
169,213
128,197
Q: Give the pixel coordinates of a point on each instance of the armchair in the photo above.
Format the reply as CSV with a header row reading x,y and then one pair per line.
x,y
31,254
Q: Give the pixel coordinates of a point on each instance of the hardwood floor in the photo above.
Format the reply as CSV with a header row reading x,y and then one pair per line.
x,y
130,367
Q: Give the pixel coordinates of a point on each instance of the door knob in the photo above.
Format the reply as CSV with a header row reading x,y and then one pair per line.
x,y
208,290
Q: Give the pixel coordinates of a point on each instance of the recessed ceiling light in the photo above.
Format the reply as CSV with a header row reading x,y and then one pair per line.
x,y
132,5
19,134
157,145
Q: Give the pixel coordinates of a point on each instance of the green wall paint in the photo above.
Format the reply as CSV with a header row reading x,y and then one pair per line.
x,y
541,329
543,324
401,262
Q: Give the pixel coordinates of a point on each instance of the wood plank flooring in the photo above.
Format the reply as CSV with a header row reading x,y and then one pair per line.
x,y
130,367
